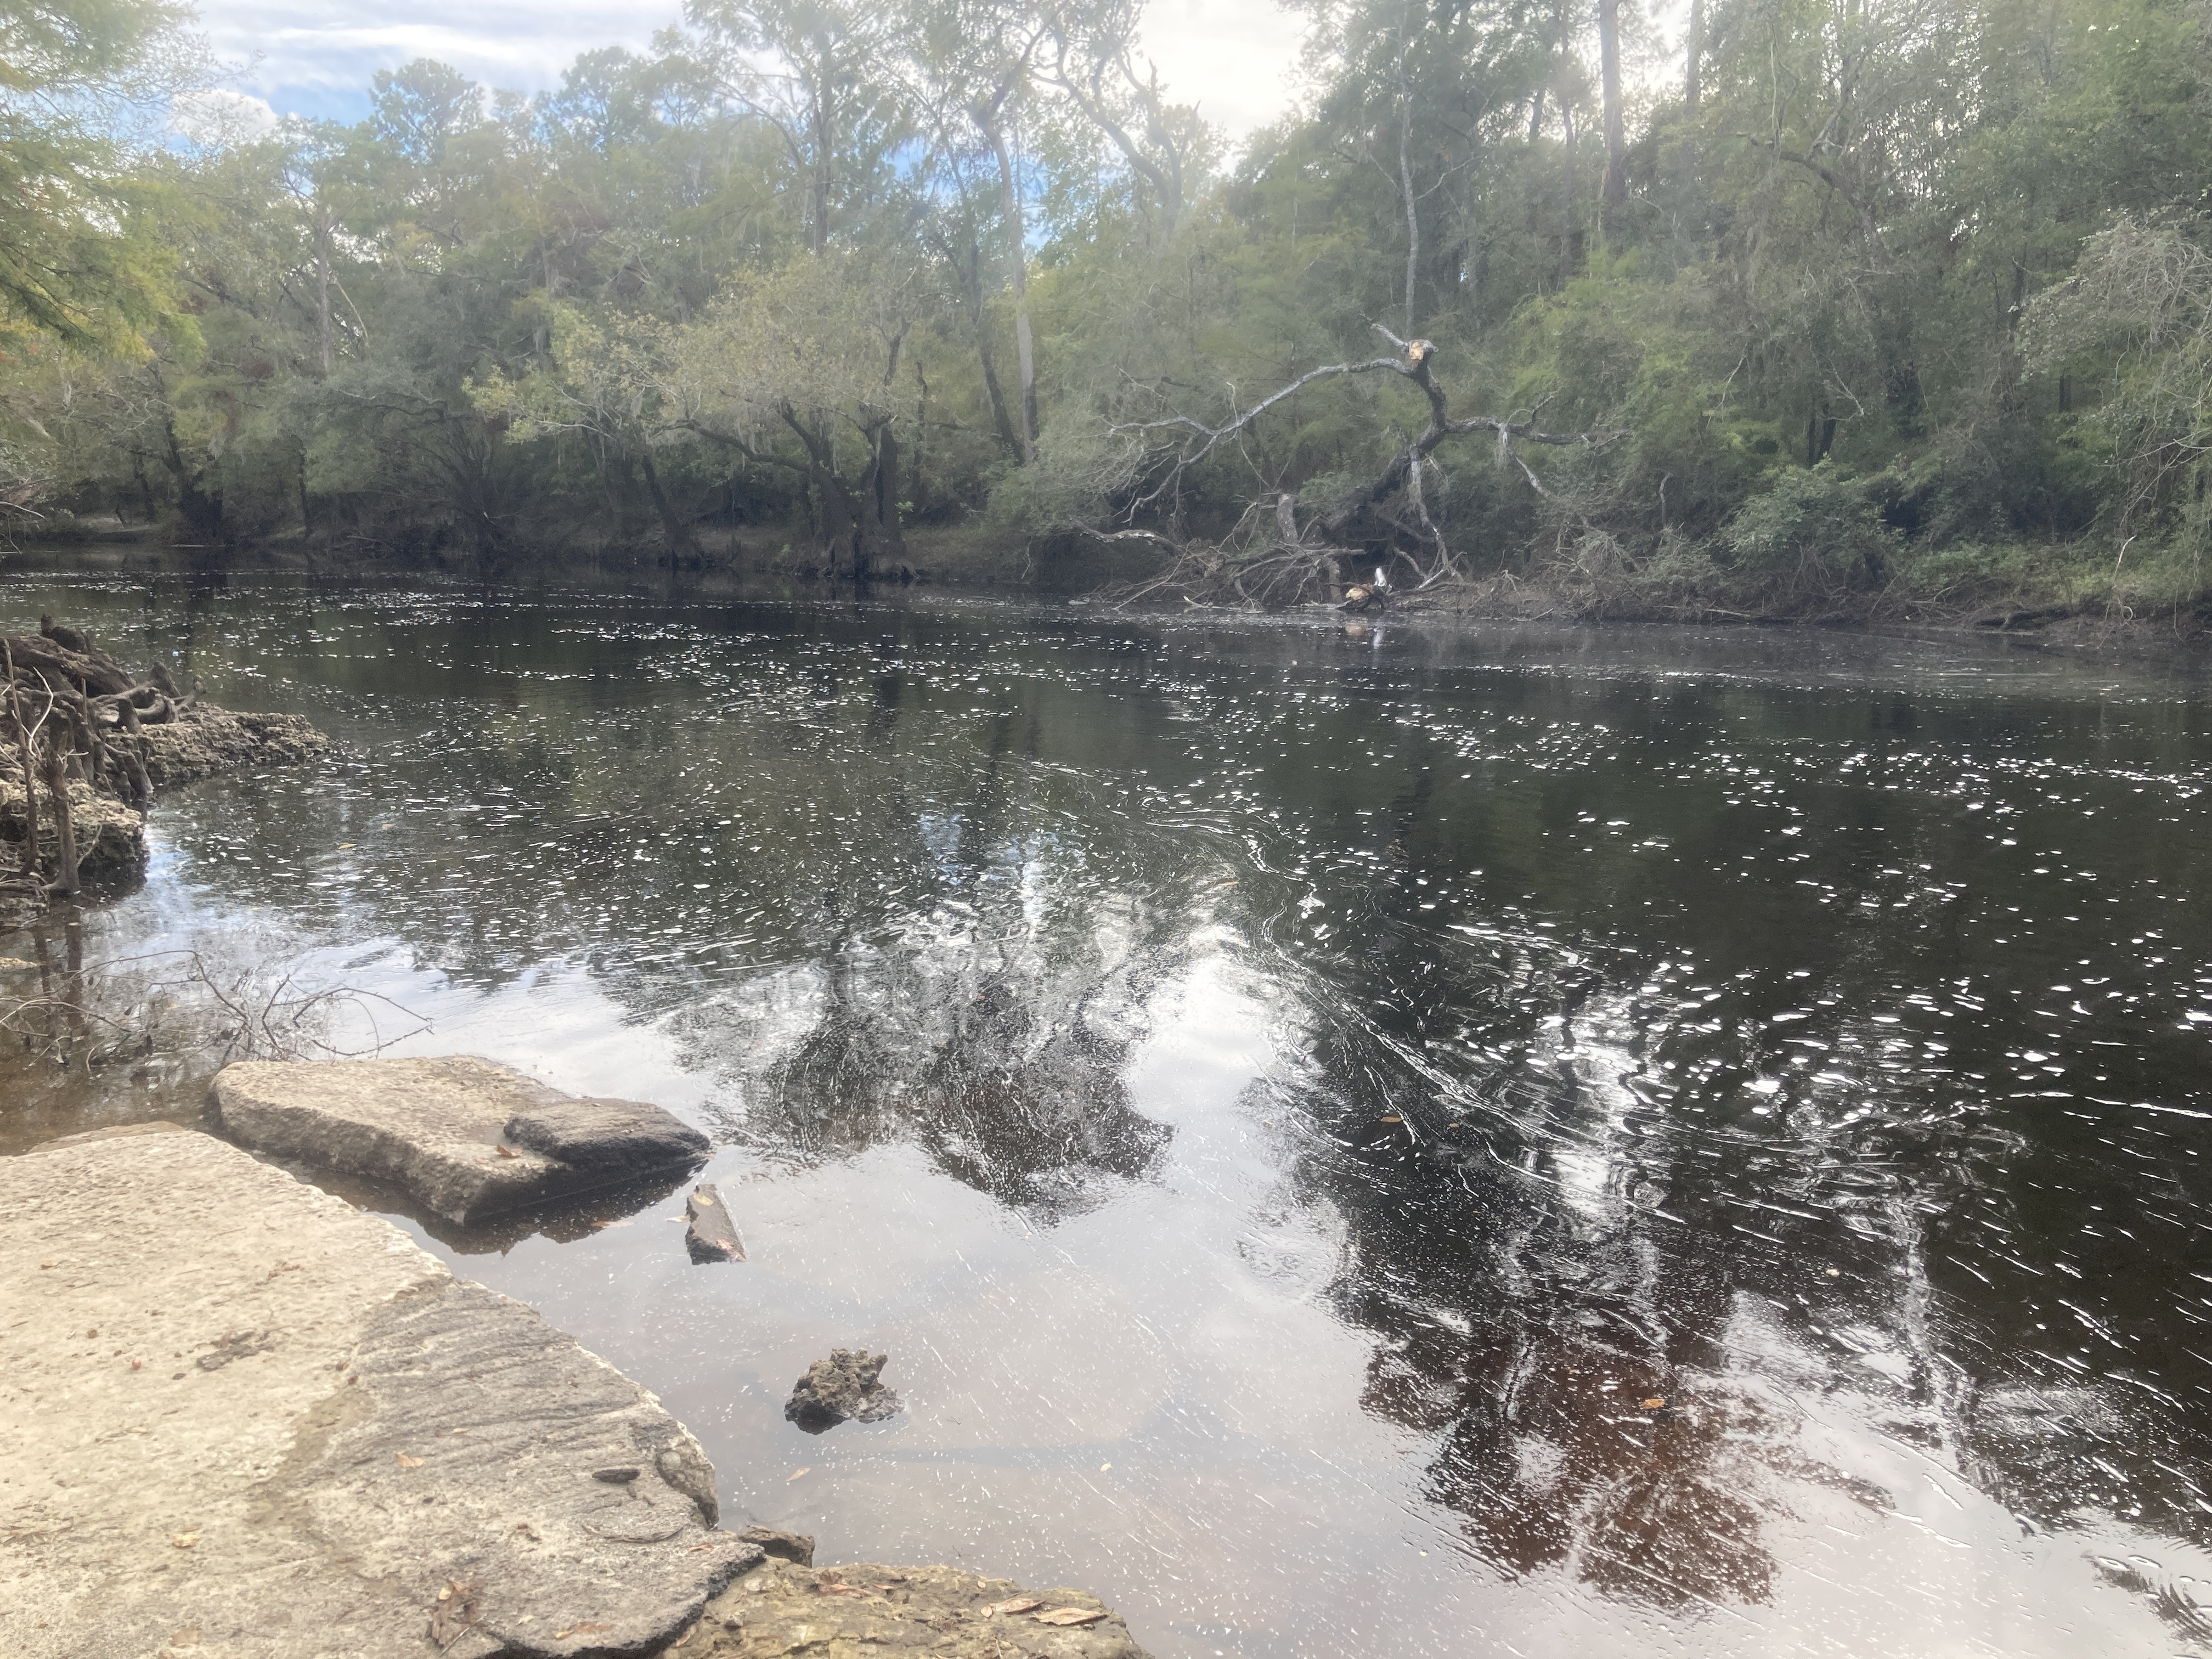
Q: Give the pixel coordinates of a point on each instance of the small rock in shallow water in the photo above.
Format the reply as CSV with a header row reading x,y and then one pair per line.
x,y
845,1385
711,1236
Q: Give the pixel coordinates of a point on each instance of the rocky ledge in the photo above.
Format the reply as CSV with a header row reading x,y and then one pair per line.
x,y
243,1419
466,1138
779,1608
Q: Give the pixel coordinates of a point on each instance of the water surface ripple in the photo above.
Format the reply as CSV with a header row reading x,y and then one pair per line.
x,y
1357,1141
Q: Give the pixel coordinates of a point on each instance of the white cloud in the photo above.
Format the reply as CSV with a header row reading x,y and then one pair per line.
x,y
1236,60
220,116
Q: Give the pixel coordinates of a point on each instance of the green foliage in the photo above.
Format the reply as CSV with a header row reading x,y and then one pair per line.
x,y
1913,304
1812,531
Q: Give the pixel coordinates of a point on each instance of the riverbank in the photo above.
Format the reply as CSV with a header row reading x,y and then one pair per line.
x,y
244,1419
87,742
2075,602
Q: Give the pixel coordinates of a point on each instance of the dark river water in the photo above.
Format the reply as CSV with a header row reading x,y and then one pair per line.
x,y
1357,1141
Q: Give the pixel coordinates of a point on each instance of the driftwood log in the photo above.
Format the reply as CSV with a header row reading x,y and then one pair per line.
x,y
1272,556
84,740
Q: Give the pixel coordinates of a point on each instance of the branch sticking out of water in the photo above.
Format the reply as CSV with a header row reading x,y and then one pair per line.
x,y
227,1016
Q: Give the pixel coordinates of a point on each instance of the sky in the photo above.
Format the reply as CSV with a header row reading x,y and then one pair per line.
x,y
1236,59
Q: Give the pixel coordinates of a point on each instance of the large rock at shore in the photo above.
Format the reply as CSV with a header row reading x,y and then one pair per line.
x,y
206,741
110,834
243,1421
465,1137
779,1608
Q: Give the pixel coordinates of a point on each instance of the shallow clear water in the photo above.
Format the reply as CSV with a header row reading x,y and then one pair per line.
x,y
1287,1097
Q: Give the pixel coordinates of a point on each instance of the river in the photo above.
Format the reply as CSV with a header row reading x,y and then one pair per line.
x,y
1359,1141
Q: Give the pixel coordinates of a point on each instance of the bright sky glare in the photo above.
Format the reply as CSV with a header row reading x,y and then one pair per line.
x,y
1236,58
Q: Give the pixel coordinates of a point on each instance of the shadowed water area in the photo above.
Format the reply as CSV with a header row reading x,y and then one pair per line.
x,y
1357,1141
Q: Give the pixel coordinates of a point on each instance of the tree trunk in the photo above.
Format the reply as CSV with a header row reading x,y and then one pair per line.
x,y
1406,185
323,291
1017,278
837,517
681,544
823,155
202,512
65,873
28,762
882,542
1570,236
1003,423
1615,193
1693,73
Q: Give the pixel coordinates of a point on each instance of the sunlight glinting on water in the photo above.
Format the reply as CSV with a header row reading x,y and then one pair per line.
x,y
1355,1141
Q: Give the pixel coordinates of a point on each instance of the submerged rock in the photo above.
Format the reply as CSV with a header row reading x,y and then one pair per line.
x,y
710,1235
779,1608
845,1385
467,1138
381,1461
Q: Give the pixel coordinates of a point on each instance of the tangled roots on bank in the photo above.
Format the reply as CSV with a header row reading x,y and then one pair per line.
x,y
84,742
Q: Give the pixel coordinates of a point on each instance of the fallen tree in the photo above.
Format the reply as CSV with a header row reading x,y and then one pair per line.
x,y
1276,555
84,741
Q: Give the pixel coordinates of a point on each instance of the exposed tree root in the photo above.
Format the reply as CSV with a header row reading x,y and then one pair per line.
x,y
83,740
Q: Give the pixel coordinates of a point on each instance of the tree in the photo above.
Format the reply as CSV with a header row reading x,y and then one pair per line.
x,y
78,256
603,382
1090,54
811,69
1614,194
418,107
973,66
811,353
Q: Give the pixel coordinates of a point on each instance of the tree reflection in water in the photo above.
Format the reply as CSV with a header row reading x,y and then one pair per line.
x,y
1796,1032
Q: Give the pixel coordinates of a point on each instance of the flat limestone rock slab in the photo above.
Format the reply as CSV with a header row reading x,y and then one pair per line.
x,y
466,1137
241,1420
781,1608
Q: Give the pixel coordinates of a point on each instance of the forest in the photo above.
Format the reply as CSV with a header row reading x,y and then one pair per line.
x,y
1818,309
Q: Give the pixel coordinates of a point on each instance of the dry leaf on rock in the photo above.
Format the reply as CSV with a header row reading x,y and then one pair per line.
x,y
1007,1609
407,1462
452,1613
1071,1616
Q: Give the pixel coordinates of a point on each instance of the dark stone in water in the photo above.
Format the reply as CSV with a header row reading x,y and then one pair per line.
x,y
712,1236
844,1385
607,1134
